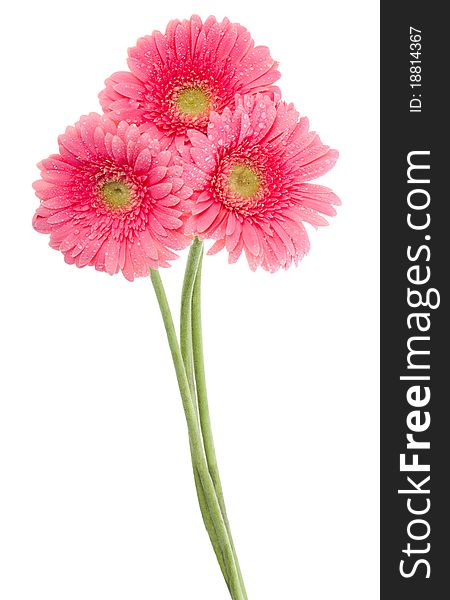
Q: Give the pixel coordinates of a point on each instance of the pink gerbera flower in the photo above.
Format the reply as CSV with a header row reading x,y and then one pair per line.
x,y
250,177
110,199
179,78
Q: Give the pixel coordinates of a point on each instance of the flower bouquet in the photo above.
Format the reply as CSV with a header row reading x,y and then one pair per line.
x,y
195,143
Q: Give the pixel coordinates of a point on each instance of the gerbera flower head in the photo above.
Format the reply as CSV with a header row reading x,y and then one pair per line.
x,y
250,176
178,78
112,199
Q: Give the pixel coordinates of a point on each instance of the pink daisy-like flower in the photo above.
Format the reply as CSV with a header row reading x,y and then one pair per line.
x,y
179,78
250,177
112,199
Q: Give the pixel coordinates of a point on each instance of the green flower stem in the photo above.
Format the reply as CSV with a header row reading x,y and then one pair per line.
x,y
195,253
195,441
203,409
207,520
187,354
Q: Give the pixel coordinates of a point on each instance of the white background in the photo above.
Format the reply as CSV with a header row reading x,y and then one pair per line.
x,y
97,497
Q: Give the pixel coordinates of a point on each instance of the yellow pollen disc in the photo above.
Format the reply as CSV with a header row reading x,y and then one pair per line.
x,y
244,181
193,101
116,194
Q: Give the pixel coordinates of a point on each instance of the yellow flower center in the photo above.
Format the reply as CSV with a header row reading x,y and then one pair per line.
x,y
116,194
244,181
193,101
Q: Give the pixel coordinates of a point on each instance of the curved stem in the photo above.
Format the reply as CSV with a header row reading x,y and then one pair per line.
x,y
210,528
195,253
195,440
203,410
194,257
187,354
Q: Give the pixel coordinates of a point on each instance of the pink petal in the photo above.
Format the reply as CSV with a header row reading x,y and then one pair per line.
x,y
250,238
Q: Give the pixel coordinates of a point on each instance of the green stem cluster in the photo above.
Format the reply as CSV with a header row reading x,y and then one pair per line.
x,y
188,361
